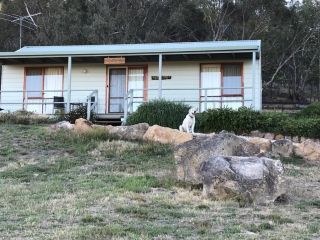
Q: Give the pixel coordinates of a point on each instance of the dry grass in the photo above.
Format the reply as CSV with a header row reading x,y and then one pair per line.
x,y
64,186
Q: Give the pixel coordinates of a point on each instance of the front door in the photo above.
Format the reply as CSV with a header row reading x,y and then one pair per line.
x,y
210,79
117,89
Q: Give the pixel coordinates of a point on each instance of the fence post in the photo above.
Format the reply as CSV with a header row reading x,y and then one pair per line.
x,y
96,103
131,101
125,109
253,72
89,107
205,99
69,83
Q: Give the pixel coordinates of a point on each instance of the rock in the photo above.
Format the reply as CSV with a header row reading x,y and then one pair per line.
x,y
269,136
246,179
282,148
82,125
264,144
203,135
133,132
109,127
309,150
257,134
166,135
62,125
191,154
295,139
303,139
279,137
100,127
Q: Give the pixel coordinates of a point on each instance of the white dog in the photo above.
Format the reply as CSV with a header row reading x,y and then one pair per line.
x,y
189,122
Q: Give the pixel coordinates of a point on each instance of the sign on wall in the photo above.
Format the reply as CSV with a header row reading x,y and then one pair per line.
x,y
114,60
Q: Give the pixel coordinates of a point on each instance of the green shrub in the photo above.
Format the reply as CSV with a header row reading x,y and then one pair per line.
x,y
238,121
244,120
160,112
313,110
272,122
79,112
303,127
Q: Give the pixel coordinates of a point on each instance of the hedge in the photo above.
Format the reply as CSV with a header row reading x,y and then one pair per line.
x,y
161,112
215,120
244,120
313,110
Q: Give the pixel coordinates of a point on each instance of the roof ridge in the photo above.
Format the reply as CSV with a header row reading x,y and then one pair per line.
x,y
132,44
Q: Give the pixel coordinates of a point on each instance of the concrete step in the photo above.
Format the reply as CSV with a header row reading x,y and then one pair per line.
x,y
109,119
109,116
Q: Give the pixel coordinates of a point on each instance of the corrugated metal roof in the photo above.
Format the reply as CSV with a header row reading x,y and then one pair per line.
x,y
135,49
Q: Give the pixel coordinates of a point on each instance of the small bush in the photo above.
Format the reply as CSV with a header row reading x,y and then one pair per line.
x,y
313,110
272,122
160,112
79,112
303,127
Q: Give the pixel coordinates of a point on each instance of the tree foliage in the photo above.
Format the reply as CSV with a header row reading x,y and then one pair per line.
x,y
290,31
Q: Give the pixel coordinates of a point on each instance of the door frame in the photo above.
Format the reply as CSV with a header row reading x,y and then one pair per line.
x,y
108,85
127,67
43,72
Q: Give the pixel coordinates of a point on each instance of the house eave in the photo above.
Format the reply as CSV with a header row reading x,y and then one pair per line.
x,y
135,49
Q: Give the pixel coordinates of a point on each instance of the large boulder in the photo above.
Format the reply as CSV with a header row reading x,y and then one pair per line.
x,y
309,150
191,154
62,125
166,135
133,132
282,148
82,125
257,134
264,144
269,136
246,179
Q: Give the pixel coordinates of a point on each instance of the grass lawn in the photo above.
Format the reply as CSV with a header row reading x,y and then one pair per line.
x,y
57,185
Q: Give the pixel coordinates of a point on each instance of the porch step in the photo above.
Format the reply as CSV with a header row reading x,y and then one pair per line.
x,y
109,119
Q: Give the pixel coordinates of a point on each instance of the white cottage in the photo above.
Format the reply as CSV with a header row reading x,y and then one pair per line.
x,y
113,80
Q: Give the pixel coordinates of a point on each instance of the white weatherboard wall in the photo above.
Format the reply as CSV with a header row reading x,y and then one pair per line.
x,y
85,77
89,77
186,75
12,80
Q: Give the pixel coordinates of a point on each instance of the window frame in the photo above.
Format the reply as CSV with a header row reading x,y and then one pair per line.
x,y
43,71
25,82
241,80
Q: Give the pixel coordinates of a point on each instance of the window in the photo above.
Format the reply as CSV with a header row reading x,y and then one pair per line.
x,y
39,80
34,82
232,78
136,82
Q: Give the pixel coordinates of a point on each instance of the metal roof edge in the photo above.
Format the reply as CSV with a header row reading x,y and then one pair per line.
x,y
255,45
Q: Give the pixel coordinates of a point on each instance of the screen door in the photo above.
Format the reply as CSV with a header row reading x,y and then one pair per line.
x,y
117,89
210,80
